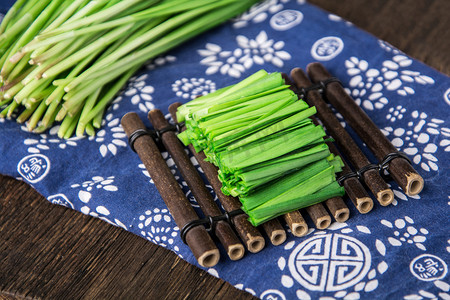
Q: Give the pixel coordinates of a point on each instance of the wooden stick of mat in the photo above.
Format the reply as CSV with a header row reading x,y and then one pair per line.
x,y
222,229
372,177
296,223
338,209
250,235
335,205
353,187
400,169
198,240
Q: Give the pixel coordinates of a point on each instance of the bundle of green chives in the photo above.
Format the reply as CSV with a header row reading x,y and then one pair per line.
x,y
65,60
268,151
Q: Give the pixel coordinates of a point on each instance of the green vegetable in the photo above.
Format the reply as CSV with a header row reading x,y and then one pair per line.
x,y
66,60
268,151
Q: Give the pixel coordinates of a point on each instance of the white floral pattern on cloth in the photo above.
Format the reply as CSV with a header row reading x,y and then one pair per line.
x,y
335,263
160,61
190,88
260,12
249,52
421,139
400,195
405,232
242,287
110,136
442,288
88,189
388,47
369,85
140,92
47,141
157,225
336,18
396,113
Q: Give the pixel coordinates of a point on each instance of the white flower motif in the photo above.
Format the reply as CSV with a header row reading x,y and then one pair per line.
x,y
261,49
159,61
443,292
96,182
193,87
140,93
227,62
405,232
259,12
336,18
368,84
416,135
157,226
362,90
250,52
115,103
241,286
398,194
111,136
388,47
85,195
101,212
46,141
395,113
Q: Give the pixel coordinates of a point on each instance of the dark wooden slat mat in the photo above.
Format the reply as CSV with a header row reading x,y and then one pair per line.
x,y
50,252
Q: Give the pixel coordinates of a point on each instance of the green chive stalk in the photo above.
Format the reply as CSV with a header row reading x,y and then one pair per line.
x,y
268,151
65,61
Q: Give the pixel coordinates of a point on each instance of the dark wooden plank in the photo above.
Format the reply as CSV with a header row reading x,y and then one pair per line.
x,y
47,251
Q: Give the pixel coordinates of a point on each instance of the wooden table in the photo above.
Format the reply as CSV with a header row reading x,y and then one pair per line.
x,y
50,252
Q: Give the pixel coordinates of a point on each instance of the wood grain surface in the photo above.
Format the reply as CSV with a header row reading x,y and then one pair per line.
x,y
50,252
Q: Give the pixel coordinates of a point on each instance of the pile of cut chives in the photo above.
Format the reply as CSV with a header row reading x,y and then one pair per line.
x,y
65,60
268,151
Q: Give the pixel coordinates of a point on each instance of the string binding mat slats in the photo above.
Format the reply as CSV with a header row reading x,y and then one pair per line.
x,y
400,169
221,230
250,235
335,205
314,96
209,222
353,186
382,167
273,228
155,134
198,240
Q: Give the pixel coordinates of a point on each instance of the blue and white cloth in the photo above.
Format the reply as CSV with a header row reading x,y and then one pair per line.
x,y
366,257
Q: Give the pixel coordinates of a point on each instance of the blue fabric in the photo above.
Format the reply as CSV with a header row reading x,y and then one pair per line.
x,y
400,251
